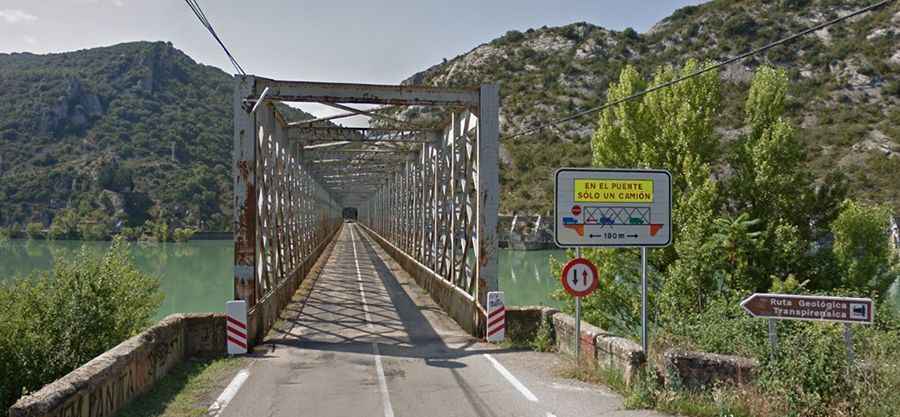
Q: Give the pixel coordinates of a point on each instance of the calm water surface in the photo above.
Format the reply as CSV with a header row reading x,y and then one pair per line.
x,y
196,276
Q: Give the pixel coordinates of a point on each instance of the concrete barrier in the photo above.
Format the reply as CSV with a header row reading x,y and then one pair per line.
x,y
266,312
459,305
698,369
104,385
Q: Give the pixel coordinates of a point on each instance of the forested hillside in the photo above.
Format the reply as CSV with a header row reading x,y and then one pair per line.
x,y
129,132
94,130
844,94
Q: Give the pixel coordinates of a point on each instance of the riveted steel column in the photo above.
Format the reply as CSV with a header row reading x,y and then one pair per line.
x,y
244,176
488,188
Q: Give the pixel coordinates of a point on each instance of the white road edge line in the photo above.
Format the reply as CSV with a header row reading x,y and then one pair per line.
x,y
511,378
379,368
230,391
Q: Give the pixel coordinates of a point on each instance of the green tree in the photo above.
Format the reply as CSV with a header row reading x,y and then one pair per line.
x,y
53,322
670,129
65,225
862,248
34,230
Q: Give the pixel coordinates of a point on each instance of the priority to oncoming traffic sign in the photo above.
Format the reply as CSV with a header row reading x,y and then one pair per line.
x,y
613,207
579,277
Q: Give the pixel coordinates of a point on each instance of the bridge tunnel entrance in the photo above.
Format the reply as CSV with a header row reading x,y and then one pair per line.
x,y
421,178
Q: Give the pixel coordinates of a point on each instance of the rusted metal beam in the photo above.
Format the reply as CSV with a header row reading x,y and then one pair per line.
x,y
306,91
244,174
488,191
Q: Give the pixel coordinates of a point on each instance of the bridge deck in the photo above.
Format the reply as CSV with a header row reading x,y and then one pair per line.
x,y
370,342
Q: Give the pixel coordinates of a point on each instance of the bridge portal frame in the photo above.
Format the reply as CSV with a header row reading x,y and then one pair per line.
x,y
431,192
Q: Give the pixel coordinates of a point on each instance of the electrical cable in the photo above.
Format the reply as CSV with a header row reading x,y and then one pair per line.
x,y
702,70
198,11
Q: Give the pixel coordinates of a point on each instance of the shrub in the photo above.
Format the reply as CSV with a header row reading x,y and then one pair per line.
x,y
94,231
34,230
53,322
131,233
183,234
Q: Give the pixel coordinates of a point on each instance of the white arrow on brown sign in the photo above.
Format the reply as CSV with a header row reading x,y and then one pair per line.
x,y
810,307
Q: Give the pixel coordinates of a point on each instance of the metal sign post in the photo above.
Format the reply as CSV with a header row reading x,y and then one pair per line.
x,y
579,278
619,208
577,317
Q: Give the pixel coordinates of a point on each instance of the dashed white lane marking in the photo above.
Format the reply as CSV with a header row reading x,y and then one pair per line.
x,y
230,391
551,415
511,378
379,368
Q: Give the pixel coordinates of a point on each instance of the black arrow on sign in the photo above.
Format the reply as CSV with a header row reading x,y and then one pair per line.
x,y
634,236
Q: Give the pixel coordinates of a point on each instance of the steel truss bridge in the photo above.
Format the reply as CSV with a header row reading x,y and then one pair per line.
x,y
427,192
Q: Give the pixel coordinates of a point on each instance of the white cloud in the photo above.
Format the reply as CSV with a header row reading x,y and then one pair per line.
x,y
30,40
118,3
13,16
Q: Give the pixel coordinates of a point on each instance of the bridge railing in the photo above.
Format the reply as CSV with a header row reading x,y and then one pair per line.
x,y
441,207
283,217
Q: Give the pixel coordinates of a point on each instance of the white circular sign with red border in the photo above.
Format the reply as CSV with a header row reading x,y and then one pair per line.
x,y
580,277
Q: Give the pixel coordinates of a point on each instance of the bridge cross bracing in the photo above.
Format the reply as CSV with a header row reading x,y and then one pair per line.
x,y
430,189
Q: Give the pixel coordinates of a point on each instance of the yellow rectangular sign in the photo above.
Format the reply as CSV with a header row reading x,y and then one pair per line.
x,y
613,191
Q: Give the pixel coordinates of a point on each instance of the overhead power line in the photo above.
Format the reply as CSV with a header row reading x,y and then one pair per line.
x,y
702,70
195,7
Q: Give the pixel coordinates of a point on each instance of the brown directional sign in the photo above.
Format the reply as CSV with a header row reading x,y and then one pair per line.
x,y
810,307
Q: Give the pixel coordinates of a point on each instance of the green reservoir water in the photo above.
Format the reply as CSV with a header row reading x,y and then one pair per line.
x,y
197,277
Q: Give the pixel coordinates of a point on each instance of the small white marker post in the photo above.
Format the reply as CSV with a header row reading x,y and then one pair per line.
x,y
495,329
236,327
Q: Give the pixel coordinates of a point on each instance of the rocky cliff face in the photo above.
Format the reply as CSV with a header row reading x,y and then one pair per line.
x,y
845,92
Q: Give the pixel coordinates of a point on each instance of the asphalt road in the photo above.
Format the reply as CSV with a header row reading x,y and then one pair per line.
x,y
370,342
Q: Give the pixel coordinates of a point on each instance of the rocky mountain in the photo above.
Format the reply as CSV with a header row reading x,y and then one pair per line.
x,y
845,93
139,130
132,131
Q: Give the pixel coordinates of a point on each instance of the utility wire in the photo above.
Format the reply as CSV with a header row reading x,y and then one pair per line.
x,y
702,71
198,11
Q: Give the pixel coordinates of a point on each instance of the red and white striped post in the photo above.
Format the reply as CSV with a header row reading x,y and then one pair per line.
x,y
496,317
236,327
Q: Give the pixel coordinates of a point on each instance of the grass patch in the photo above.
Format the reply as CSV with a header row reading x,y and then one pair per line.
x,y
648,393
187,391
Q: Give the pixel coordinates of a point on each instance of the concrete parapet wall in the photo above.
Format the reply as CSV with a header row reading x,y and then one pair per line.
x,y
104,385
456,303
267,311
699,369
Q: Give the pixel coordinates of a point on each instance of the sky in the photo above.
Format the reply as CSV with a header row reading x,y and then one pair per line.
x,y
360,41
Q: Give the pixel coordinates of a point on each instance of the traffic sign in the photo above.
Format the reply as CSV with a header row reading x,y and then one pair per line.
x,y
579,277
810,307
613,207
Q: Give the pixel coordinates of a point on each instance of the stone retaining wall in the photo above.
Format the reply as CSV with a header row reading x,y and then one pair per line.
x,y
455,302
599,346
698,369
522,323
102,386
